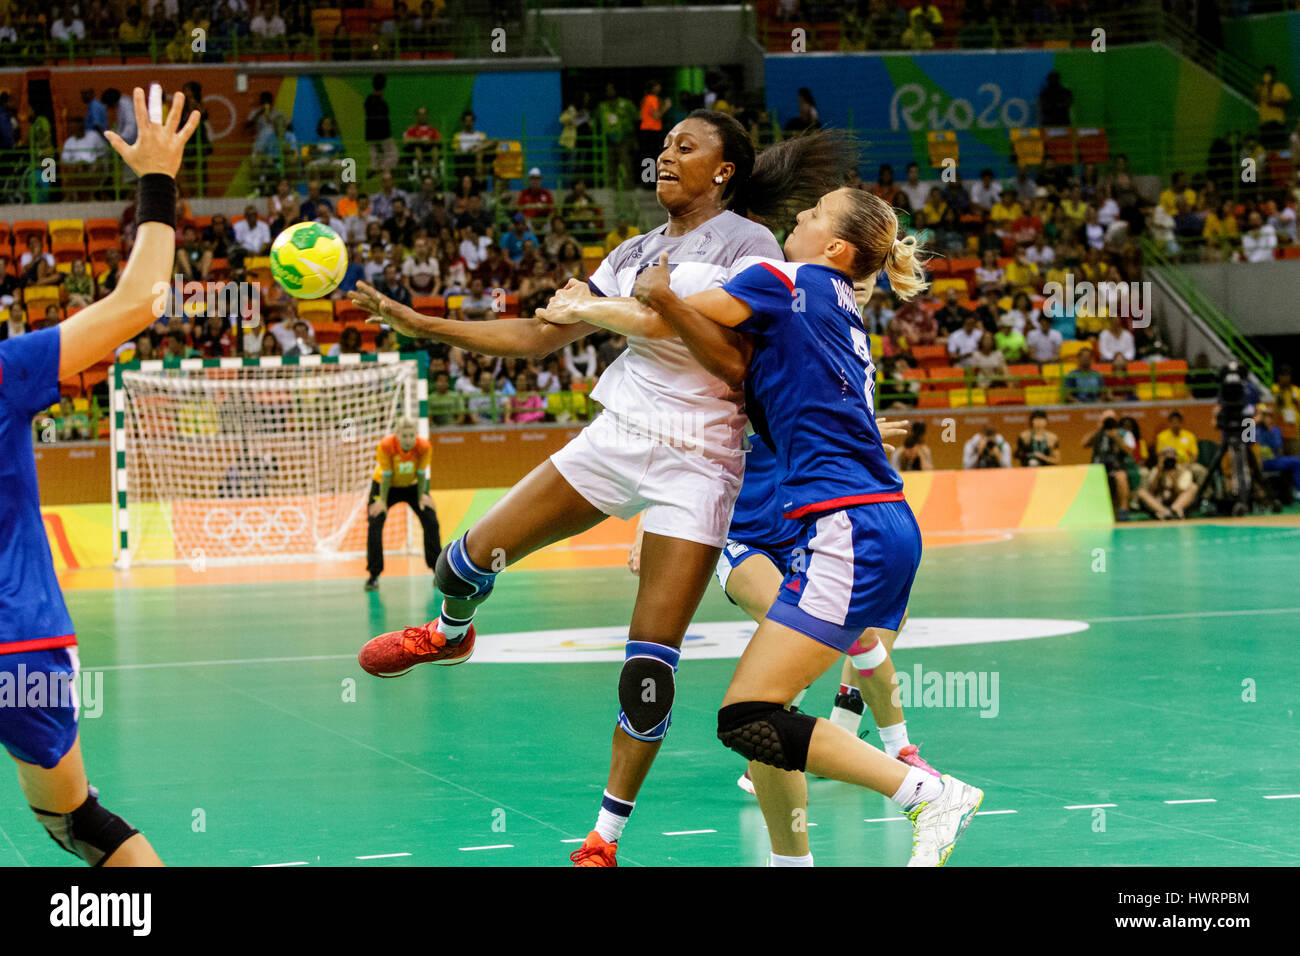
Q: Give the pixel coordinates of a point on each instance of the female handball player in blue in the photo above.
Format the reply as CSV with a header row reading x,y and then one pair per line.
x,y
37,643
810,390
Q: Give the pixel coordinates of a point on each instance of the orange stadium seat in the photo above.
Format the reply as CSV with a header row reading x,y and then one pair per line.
x,y
1026,375
99,250
932,400
1005,396
345,312
1174,370
928,356
102,229
25,228
326,21
951,372
431,304
4,238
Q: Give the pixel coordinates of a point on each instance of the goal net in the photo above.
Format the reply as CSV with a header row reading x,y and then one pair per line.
x,y
236,461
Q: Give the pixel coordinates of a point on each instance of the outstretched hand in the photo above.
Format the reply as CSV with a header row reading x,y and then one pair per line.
x,y
158,147
383,310
562,308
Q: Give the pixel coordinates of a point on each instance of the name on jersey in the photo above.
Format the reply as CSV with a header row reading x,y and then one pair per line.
x,y
844,296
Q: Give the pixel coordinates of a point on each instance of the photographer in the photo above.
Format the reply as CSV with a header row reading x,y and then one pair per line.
x,y
987,449
1109,449
1169,489
1036,445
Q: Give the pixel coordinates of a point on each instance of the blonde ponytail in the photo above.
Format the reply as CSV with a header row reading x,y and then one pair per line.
x,y
905,266
870,225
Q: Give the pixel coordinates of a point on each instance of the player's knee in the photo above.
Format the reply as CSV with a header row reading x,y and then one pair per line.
x,y
767,732
646,689
458,577
90,832
867,659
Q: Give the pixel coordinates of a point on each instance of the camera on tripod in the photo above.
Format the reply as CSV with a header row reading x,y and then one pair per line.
x,y
1232,399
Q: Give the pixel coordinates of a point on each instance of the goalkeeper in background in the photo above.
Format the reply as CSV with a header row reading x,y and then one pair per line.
x,y
401,475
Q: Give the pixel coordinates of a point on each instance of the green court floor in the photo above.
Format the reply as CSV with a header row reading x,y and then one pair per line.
x,y
237,729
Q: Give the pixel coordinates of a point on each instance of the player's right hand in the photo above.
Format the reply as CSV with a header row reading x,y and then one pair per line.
x,y
634,557
563,307
158,147
377,508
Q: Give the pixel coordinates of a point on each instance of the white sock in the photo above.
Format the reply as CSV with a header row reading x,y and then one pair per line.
x,y
894,738
776,859
613,816
452,627
918,787
843,717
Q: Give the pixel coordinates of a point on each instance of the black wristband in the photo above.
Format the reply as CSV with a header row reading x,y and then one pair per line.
x,y
156,199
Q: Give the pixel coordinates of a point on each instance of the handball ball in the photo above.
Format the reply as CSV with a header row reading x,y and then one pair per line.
x,y
309,260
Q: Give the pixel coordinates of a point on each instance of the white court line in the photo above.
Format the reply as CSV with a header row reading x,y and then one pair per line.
x,y
1283,796
493,846
1201,800
686,832
885,820
994,813
1191,614
579,840
235,660
1088,806
257,866
381,856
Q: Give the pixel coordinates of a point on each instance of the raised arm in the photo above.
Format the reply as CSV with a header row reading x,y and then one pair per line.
x,y
509,338
95,331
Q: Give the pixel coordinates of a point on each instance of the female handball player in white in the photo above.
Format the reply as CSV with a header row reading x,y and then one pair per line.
x,y
668,444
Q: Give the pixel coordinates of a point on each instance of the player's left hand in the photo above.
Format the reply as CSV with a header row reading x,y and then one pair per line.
x,y
158,147
426,501
377,508
892,431
563,307
652,282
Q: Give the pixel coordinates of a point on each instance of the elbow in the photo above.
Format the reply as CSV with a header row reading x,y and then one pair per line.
x,y
734,375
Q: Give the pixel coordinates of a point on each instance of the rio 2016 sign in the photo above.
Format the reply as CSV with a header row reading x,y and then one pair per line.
x,y
913,108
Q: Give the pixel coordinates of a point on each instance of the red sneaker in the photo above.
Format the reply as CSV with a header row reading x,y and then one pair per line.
x,y
395,653
596,851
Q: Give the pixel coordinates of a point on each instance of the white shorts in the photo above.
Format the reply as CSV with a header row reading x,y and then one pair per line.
x,y
684,493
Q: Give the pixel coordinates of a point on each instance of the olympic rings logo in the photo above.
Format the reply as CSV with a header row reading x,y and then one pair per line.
x,y
255,527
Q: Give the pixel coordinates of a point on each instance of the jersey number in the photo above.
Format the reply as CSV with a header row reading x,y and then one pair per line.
x,y
862,346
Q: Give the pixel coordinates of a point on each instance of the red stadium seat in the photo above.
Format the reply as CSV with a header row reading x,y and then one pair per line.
x,y
346,312
932,400
928,356
1026,375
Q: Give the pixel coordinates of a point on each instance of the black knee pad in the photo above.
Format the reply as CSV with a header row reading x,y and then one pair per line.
x,y
89,832
767,732
646,688
458,577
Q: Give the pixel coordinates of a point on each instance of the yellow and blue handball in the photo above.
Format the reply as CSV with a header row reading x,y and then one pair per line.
x,y
309,260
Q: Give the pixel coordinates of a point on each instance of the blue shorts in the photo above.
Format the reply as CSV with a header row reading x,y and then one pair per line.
x,y
734,553
38,704
850,570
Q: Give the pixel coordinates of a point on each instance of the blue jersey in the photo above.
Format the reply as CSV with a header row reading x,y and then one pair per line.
x,y
757,519
811,387
31,604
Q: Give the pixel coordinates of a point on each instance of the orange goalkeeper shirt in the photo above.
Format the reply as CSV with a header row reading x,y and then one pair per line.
x,y
404,465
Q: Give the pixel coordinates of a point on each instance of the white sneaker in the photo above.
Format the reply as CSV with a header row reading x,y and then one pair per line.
x,y
744,783
938,823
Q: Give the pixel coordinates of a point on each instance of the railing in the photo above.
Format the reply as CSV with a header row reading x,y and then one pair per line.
x,y
1259,363
239,169
1050,389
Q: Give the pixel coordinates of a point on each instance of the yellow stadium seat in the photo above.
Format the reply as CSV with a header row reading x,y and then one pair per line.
x,y
454,301
41,293
941,286
1146,392
1072,348
877,348
64,267
318,310
1042,395
1052,370
67,230
960,398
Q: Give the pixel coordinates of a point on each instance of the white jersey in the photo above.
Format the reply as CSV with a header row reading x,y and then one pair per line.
x,y
657,383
